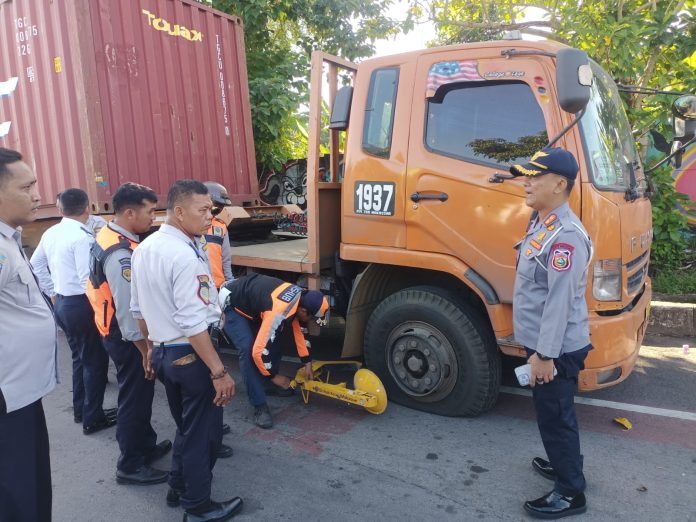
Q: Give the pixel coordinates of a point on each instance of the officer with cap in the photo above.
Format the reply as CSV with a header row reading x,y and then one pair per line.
x,y
175,302
216,239
108,289
550,320
257,308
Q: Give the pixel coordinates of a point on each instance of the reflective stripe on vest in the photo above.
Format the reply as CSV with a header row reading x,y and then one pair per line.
x,y
214,239
107,242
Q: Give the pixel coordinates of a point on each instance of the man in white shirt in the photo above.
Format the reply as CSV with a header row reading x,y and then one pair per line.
x,y
61,262
27,354
173,296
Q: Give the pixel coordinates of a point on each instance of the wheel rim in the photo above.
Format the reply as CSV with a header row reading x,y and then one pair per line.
x,y
421,361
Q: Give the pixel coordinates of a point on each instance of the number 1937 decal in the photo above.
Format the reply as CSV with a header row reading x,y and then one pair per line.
x,y
374,198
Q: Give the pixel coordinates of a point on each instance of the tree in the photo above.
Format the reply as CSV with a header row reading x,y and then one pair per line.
x,y
280,36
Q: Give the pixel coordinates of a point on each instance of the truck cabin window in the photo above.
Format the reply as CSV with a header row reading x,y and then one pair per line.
x,y
491,123
606,132
379,112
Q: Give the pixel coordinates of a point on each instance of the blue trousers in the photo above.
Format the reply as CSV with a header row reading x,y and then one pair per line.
x,y
134,433
190,394
25,466
90,363
558,425
242,332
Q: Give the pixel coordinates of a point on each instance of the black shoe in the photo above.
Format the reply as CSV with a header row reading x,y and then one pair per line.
x,y
544,468
173,497
142,477
277,391
78,419
106,422
111,412
224,452
262,417
215,511
226,429
159,451
555,505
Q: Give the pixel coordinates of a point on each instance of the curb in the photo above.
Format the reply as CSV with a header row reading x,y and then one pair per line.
x,y
672,319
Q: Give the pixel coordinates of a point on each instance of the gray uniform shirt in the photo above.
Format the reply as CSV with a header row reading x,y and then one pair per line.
x,y
117,270
28,366
549,310
172,288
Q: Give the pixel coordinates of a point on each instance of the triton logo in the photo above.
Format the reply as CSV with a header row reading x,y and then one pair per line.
x,y
159,24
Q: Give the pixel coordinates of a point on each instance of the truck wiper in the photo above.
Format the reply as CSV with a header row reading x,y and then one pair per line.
x,y
631,193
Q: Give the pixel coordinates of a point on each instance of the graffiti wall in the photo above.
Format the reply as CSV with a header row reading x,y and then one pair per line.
x,y
289,186
685,182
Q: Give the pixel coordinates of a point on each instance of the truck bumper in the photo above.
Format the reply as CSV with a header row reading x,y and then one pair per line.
x,y
617,340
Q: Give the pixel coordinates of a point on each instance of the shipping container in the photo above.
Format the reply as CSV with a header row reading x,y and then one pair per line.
x,y
99,92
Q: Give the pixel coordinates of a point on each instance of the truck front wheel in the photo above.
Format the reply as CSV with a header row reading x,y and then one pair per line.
x,y
434,352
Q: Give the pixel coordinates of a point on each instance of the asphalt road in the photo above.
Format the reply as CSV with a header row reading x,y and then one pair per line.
x,y
327,461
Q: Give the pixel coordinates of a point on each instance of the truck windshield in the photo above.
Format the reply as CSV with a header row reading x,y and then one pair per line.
x,y
609,144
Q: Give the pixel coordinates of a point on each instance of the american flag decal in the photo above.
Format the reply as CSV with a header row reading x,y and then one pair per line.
x,y
449,72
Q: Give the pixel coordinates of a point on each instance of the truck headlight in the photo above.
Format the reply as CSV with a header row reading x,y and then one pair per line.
x,y
606,280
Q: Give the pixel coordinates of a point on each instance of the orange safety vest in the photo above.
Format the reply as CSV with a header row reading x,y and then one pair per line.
x,y
213,240
107,242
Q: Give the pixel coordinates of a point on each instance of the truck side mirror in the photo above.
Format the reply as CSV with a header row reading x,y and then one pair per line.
x,y
683,124
340,111
573,79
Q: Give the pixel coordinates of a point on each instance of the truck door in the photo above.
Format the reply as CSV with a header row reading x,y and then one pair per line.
x,y
473,117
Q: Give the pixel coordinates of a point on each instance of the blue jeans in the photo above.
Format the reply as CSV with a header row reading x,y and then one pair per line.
x,y
242,333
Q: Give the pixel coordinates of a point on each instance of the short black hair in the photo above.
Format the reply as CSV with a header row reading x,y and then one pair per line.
x,y
570,183
132,195
73,201
7,157
184,189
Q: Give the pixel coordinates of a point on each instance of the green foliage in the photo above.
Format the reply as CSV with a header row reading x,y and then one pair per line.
x,y
675,282
280,36
669,243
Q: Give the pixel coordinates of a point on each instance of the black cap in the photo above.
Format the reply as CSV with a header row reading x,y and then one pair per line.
x,y
550,160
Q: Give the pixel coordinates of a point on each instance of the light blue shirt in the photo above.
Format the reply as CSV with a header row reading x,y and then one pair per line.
x,y
28,341
172,288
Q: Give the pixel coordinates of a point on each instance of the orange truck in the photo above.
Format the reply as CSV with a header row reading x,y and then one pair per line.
x,y
412,231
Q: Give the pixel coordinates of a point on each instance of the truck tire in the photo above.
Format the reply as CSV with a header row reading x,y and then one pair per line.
x,y
434,352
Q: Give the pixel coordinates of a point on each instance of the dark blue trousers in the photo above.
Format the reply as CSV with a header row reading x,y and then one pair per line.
x,y
558,424
190,394
25,466
75,316
242,332
134,433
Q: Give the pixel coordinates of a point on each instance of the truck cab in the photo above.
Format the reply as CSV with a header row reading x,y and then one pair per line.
x,y
414,236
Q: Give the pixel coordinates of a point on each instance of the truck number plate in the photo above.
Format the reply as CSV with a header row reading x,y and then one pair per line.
x,y
374,198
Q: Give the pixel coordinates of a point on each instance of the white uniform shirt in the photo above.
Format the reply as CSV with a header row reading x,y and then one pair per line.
x,y
171,286
61,261
95,223
28,367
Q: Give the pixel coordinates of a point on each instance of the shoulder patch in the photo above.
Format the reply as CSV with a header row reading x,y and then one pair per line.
x,y
550,220
561,256
204,289
290,293
217,231
126,273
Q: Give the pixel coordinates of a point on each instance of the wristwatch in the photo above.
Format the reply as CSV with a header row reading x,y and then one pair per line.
x,y
543,357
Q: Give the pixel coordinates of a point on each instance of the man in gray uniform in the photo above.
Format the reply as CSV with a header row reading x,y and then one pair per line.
x,y
550,319
27,355
109,292
174,298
